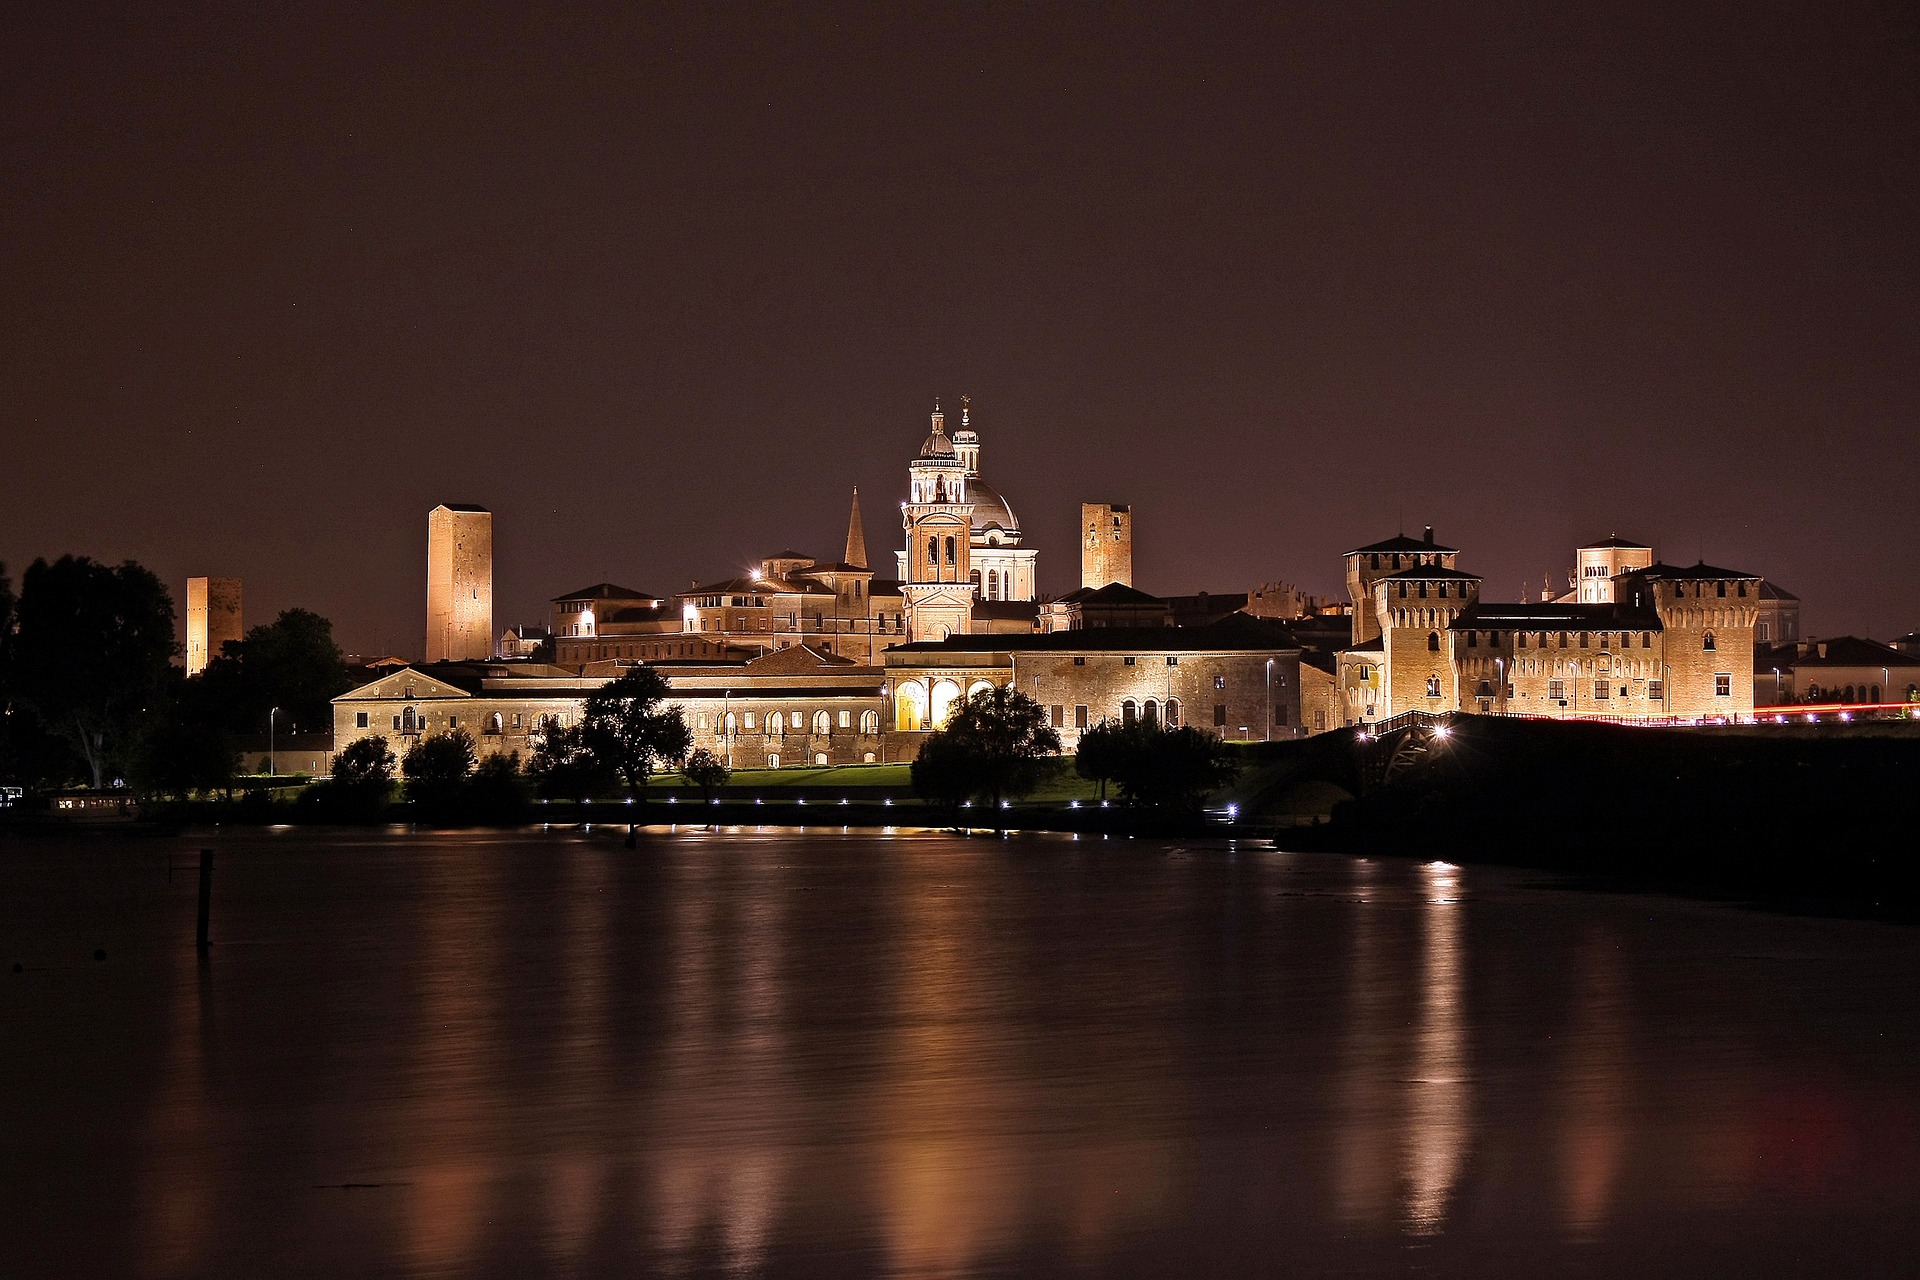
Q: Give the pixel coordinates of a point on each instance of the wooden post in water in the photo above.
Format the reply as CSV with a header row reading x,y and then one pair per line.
x,y
206,899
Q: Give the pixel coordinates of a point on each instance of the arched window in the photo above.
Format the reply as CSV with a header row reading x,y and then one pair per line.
x,y
978,687
731,725
1173,713
950,556
1876,694
775,725
1707,643
933,551
820,757
993,584
773,759
1129,713
869,722
822,724
910,707
409,723
945,695
1150,713
1433,642
1846,695
1433,686
496,723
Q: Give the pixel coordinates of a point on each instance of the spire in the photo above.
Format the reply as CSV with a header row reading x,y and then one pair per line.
x,y
965,401
856,535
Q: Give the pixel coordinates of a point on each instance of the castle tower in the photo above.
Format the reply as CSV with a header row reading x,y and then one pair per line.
x,y
1106,545
213,618
938,518
856,536
1367,565
1414,610
459,583
1598,563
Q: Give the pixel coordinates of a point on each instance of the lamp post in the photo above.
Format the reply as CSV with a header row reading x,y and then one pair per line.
x,y
270,715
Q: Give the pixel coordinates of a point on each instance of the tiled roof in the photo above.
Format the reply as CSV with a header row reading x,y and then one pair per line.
x,y
1626,544
1693,573
1403,544
1431,573
606,591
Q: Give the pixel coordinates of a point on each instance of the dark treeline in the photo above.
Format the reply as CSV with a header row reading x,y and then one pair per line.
x,y
90,695
1781,816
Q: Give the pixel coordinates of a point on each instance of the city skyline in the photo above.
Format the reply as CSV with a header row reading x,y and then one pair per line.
x,y
1281,285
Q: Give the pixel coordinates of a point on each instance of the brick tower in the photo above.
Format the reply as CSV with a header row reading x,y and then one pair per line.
x,y
459,583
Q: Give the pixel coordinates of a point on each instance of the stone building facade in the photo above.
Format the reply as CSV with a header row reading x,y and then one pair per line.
x,y
787,707
459,583
1239,678
1666,642
213,618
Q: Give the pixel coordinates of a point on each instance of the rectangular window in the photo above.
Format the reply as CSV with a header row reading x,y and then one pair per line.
x,y
1079,662
1129,660
1220,682
453,722
1173,661
1657,690
1220,714
359,719
1601,690
749,720
1723,685
846,719
1080,717
396,722
1557,690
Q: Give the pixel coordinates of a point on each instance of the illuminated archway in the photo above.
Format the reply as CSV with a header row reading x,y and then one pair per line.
x,y
945,694
910,706
978,686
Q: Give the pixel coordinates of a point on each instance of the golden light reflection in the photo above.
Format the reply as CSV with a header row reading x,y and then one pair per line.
x,y
178,1203
1439,1097
1595,1089
447,1119
1364,1177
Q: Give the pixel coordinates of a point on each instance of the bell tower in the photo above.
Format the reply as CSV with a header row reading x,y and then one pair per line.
x,y
938,518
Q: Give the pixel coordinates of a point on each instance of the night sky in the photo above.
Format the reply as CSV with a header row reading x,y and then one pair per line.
x,y
660,291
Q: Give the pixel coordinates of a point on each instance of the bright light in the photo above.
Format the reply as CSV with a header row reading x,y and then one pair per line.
x,y
1439,731
629,799
670,800
1233,811
1073,804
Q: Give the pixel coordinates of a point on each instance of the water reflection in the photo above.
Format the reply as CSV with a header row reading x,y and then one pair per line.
x,y
770,1054
1595,1089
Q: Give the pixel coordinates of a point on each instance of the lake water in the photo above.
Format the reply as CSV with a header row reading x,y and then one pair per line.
x,y
912,1054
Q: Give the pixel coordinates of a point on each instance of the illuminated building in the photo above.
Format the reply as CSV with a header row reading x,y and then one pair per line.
x,y
459,583
213,618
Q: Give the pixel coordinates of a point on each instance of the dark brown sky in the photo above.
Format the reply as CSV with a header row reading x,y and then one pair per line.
x,y
660,290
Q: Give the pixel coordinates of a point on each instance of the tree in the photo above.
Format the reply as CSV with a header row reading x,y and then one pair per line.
x,y
563,768
180,756
437,769
706,771
291,665
625,727
995,747
1100,754
365,764
91,654
498,789
1172,768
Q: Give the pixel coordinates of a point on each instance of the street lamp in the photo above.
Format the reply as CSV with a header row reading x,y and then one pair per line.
x,y
270,715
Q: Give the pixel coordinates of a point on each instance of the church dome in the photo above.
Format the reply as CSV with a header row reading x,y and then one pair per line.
x,y
937,446
989,508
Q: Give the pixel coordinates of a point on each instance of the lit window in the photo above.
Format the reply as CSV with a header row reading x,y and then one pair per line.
x,y
1723,685
1220,682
